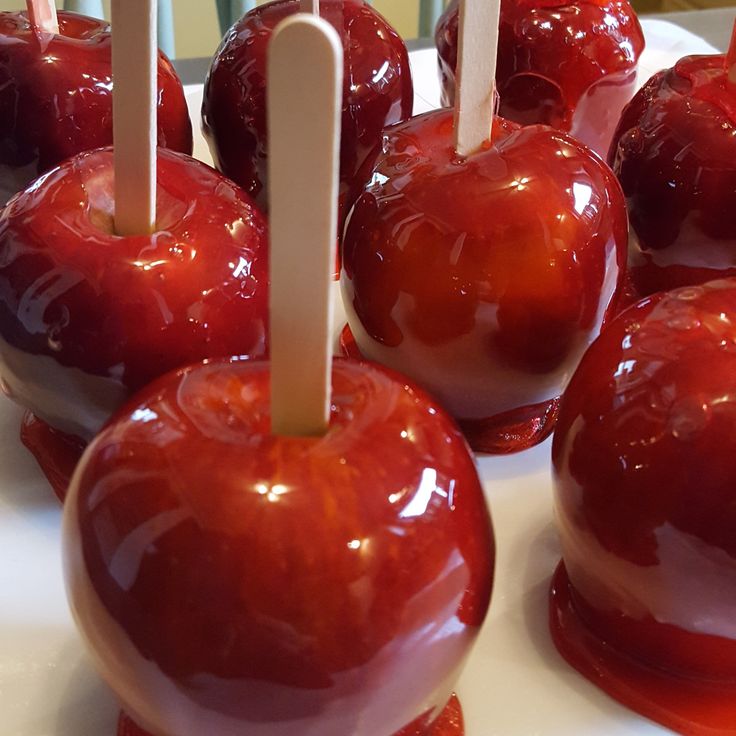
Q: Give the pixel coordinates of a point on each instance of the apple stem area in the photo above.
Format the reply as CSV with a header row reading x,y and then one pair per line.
x,y
310,6
731,57
476,74
42,14
304,84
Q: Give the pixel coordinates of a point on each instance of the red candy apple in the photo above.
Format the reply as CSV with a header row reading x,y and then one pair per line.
x,y
56,97
675,154
571,65
86,316
646,507
230,581
377,92
484,279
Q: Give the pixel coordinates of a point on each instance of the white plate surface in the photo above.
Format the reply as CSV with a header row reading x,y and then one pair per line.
x,y
515,683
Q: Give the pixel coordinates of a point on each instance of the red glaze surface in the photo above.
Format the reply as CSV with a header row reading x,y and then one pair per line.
x,y
450,723
56,453
484,279
571,65
675,154
86,317
645,478
56,97
377,92
228,581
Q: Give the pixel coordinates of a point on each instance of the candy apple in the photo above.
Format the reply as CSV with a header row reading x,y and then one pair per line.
x,y
377,92
571,65
484,279
645,501
86,316
56,97
675,154
228,580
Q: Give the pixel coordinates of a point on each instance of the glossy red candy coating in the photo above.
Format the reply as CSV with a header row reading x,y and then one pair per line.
x,y
675,154
86,317
564,64
56,97
377,92
645,478
449,723
484,279
230,581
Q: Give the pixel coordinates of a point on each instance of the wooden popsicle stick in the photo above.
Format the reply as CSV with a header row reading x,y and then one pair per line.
x,y
731,57
134,69
304,101
42,14
476,74
310,6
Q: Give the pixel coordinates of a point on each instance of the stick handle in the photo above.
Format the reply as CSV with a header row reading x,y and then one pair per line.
x,y
310,6
134,69
304,101
476,74
42,14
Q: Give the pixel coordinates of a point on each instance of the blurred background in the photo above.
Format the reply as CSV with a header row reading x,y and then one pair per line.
x,y
192,28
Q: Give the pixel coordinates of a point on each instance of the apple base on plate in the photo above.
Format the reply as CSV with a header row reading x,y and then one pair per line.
x,y
689,706
503,434
449,723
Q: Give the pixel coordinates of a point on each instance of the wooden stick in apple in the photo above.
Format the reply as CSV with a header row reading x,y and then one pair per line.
x,y
42,14
476,74
310,6
731,57
304,114
134,65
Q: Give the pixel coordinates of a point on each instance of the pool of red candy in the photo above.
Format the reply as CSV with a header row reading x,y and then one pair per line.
x,y
569,65
674,152
484,279
449,723
56,453
56,96
645,502
377,92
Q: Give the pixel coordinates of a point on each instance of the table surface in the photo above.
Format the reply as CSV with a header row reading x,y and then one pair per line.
x,y
713,25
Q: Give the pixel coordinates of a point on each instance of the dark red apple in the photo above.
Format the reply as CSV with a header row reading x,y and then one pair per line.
x,y
484,279
645,501
377,91
87,317
227,580
571,65
675,154
56,97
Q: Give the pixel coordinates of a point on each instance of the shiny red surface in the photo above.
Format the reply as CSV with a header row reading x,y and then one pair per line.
x,y
56,453
484,279
56,97
564,64
675,154
450,723
227,580
645,501
377,92
86,316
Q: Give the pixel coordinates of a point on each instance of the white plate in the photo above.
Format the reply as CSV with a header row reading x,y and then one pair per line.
x,y
515,683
